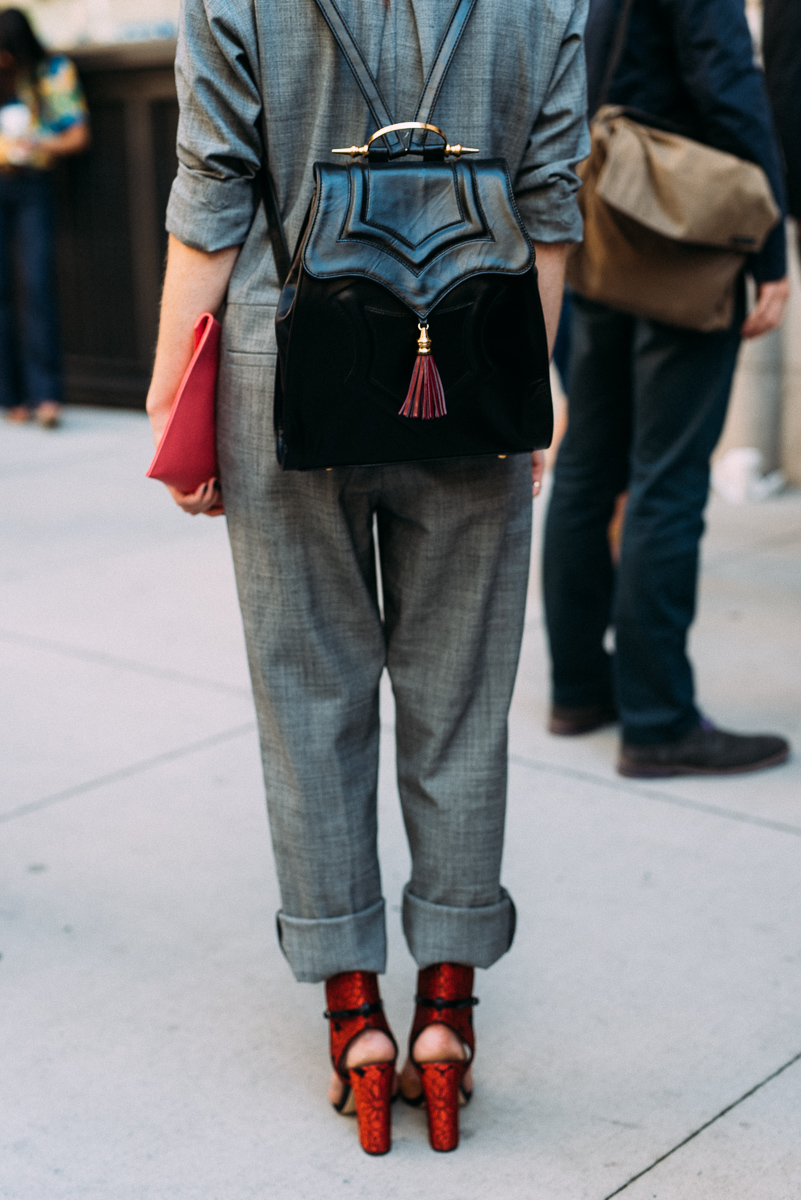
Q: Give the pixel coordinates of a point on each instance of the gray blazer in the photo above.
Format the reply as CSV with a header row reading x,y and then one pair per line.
x,y
252,68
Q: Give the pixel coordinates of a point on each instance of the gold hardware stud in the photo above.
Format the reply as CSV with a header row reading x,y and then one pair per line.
x,y
457,151
501,456
353,151
424,341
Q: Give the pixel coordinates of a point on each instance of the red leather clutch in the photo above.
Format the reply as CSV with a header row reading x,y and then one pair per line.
x,y
186,455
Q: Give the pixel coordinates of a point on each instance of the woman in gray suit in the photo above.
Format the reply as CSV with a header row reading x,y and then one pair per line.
x,y
454,536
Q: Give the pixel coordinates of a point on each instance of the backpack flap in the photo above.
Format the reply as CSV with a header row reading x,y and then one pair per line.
x,y
417,229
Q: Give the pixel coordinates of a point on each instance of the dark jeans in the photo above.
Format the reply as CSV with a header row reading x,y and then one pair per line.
x,y
30,368
646,406
561,350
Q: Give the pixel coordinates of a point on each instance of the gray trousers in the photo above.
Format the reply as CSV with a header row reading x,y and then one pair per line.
x,y
454,542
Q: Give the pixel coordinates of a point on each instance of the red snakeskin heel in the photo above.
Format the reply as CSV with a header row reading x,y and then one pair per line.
x,y
444,998
353,1006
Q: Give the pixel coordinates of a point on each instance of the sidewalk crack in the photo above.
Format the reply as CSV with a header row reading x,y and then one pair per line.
x,y
158,760
723,1112
100,658
713,810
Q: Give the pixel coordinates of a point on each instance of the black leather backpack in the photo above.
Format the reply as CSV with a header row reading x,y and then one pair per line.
x,y
410,325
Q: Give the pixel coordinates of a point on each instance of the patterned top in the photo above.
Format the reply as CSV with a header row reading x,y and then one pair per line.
x,y
55,101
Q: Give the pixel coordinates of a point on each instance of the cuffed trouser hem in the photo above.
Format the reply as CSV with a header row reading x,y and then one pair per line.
x,y
637,736
475,937
318,949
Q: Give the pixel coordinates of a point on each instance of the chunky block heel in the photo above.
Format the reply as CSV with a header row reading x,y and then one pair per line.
x,y
353,1006
372,1094
444,998
441,1085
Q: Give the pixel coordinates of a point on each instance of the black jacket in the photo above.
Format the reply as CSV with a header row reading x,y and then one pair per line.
x,y
782,50
692,63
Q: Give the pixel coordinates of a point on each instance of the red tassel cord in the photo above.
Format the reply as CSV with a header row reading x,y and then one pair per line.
x,y
426,396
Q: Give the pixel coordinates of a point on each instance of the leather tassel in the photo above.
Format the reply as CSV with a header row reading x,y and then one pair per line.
x,y
426,397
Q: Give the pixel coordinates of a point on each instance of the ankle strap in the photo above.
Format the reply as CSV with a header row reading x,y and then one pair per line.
x,y
444,998
440,1002
364,1010
354,1004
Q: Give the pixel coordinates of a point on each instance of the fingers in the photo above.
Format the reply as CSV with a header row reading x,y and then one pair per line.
x,y
753,325
212,501
762,320
768,311
537,471
205,499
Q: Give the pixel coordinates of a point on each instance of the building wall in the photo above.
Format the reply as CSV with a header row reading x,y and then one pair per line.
x,y
67,24
790,437
765,409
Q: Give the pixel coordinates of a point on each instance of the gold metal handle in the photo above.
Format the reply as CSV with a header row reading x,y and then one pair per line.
x,y
406,125
358,151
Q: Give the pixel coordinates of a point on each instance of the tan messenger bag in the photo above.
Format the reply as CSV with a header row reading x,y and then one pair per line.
x,y
668,223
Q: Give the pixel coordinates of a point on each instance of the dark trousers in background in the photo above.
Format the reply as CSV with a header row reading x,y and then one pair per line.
x,y
30,368
647,404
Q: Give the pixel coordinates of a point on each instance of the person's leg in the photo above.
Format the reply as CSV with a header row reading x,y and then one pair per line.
x,y
682,381
9,395
454,543
41,351
455,546
591,471
561,349
303,553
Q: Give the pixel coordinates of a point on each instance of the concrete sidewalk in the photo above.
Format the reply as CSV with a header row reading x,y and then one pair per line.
x,y
643,1037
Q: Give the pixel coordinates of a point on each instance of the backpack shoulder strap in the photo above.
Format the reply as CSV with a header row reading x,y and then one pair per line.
x,y
366,80
443,59
361,71
265,192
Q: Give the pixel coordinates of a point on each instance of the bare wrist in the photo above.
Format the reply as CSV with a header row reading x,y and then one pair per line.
x,y
157,405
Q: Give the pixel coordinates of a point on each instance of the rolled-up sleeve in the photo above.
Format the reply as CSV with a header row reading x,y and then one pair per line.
x,y
219,147
547,183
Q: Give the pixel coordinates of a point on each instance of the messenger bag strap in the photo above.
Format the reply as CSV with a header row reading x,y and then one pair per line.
x,y
443,59
616,51
361,71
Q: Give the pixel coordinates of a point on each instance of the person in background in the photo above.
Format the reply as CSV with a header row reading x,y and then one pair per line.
x,y
647,406
781,48
43,117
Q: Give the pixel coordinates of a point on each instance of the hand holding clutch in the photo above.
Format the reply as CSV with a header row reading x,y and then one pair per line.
x,y
186,456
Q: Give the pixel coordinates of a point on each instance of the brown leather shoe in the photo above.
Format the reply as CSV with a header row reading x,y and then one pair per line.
x,y
565,721
705,750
